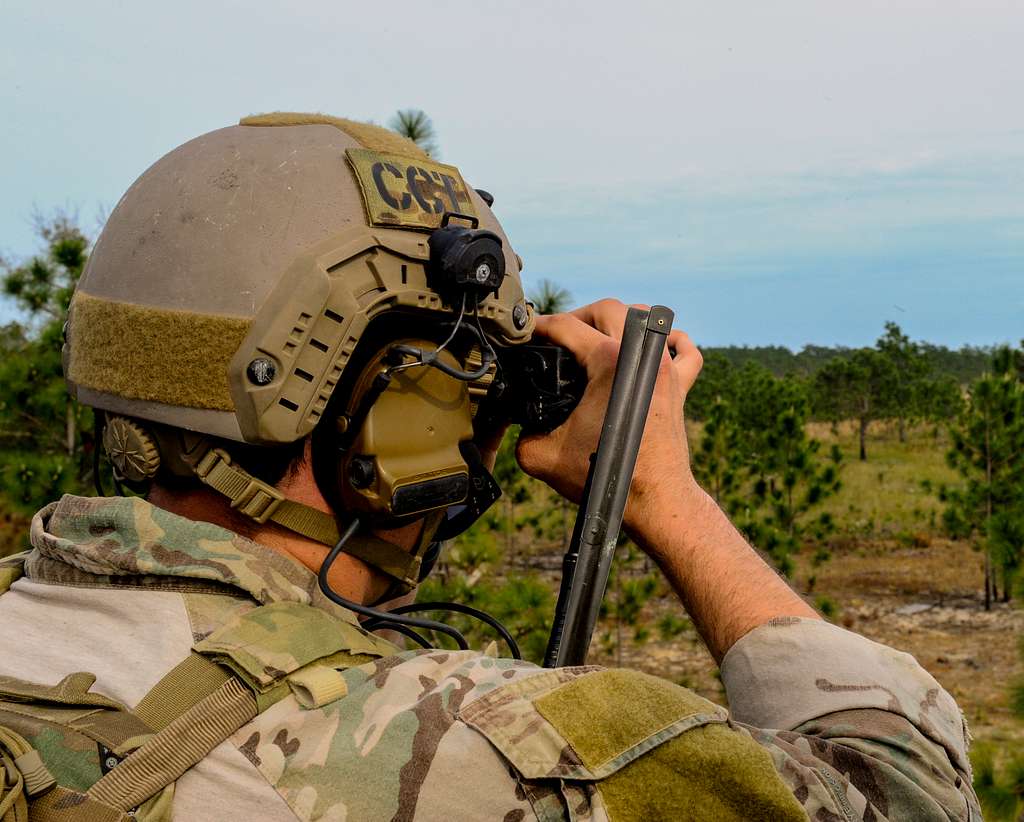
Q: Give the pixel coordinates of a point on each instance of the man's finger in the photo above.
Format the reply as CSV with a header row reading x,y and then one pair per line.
x,y
688,360
607,316
570,332
678,343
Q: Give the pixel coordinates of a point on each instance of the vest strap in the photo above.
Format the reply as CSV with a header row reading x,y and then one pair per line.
x,y
178,747
183,687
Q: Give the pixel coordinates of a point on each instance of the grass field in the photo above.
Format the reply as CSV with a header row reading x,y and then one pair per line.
x,y
884,495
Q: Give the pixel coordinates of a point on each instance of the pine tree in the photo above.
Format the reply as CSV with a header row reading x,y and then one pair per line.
x,y
756,459
910,376
42,449
515,486
550,298
632,583
988,453
789,479
717,461
860,387
718,382
414,124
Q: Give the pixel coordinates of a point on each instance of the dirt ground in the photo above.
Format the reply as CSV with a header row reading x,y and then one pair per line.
x,y
928,601
923,600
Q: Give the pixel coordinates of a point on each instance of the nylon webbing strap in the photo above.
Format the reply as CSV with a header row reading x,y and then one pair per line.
x,y
187,684
385,557
306,521
177,748
13,787
65,805
262,503
13,804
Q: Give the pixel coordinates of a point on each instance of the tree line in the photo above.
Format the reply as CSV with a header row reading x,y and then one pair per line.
x,y
896,379
964,364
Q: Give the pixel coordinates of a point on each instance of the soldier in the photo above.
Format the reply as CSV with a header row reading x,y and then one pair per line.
x,y
284,343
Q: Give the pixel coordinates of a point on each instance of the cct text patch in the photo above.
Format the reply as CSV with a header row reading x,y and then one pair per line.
x,y
404,191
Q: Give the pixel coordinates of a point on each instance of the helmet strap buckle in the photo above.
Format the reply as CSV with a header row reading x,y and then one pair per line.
x,y
247,494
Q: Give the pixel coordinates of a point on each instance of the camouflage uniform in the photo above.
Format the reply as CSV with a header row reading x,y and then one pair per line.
x,y
825,724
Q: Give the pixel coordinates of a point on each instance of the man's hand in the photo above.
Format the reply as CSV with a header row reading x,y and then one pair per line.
x,y
593,334
725,586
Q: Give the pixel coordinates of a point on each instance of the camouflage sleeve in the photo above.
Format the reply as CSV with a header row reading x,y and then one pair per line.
x,y
864,722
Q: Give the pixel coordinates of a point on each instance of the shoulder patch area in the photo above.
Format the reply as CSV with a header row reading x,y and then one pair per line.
x,y
380,751
12,568
652,749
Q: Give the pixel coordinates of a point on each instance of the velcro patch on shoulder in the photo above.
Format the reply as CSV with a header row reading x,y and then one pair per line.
x,y
408,192
653,750
585,723
12,568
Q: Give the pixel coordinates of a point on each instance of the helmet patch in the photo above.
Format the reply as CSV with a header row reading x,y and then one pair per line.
x,y
407,192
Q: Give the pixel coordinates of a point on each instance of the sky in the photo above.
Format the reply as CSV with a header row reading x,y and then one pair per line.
x,y
778,173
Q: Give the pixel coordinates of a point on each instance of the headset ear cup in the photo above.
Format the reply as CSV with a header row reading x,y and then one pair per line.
x,y
483,493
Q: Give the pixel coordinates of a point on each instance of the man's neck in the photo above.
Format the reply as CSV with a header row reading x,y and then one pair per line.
x,y
350,577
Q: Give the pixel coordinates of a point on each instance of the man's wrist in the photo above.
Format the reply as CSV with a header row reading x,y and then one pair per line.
x,y
659,515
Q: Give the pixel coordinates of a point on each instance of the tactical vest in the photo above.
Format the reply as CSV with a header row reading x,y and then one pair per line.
x,y
70,755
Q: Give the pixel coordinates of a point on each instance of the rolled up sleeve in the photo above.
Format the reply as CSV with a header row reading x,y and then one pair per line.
x,y
854,711
790,671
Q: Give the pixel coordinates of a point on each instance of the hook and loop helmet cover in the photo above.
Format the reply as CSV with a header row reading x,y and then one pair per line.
x,y
226,299
234,280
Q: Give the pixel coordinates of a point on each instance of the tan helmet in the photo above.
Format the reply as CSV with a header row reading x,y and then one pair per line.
x,y
234,281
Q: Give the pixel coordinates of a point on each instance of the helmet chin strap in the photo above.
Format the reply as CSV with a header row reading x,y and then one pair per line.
x,y
262,503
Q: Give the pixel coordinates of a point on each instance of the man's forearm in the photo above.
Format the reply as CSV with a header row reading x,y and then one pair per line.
x,y
726,588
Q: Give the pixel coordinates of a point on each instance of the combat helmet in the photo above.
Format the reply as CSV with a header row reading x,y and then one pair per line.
x,y
294,274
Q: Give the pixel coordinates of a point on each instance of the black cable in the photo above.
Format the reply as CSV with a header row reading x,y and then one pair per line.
x,y
99,422
383,617
484,342
468,610
455,327
430,358
404,631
